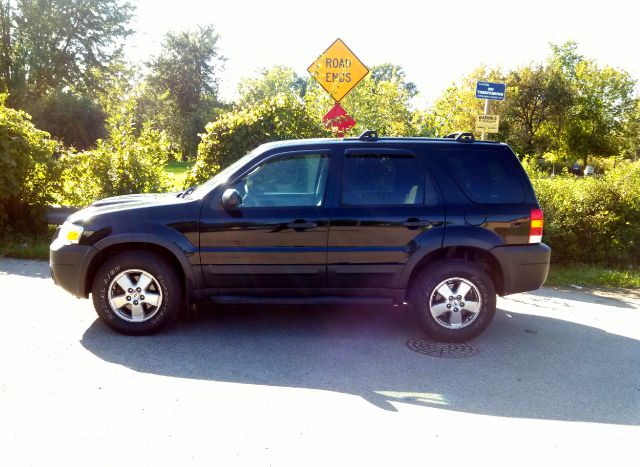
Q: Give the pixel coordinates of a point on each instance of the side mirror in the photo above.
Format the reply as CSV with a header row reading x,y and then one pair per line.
x,y
231,199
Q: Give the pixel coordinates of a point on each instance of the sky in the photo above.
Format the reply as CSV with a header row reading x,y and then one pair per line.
x,y
436,43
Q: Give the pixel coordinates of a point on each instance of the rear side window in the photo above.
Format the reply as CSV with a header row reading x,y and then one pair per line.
x,y
382,179
485,176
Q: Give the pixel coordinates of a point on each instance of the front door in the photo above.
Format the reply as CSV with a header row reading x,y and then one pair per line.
x,y
386,202
277,237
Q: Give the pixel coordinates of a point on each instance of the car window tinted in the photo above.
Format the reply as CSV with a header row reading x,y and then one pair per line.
x,y
291,180
485,176
379,179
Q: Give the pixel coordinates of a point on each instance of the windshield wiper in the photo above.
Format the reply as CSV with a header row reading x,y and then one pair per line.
x,y
187,192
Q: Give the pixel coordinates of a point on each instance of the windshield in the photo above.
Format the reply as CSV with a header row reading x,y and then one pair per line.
x,y
223,175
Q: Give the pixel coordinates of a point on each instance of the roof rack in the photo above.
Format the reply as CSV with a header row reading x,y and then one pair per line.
x,y
463,137
368,135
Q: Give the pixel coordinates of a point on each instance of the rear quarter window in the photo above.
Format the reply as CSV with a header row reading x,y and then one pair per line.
x,y
485,176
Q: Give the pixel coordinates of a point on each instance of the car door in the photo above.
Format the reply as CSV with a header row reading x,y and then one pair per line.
x,y
277,236
387,200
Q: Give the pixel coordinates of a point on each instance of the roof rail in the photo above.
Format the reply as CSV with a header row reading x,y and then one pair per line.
x,y
463,137
368,135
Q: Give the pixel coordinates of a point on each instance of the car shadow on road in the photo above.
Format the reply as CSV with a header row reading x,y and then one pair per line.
x,y
527,366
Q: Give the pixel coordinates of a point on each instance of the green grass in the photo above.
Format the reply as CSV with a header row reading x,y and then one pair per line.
x,y
177,172
27,246
593,276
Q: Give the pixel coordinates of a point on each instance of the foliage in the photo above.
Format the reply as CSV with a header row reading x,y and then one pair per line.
x,y
28,171
270,83
239,131
129,160
537,99
382,102
181,89
603,104
77,120
584,275
592,219
568,107
28,244
458,106
58,43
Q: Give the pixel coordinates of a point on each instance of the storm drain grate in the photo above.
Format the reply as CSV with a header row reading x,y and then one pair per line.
x,y
441,349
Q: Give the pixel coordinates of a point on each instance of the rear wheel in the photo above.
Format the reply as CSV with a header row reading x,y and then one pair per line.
x,y
137,292
453,300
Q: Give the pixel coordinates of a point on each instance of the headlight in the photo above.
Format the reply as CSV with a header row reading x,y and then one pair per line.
x,y
70,233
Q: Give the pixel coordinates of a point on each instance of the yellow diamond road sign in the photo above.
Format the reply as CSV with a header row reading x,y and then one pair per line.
x,y
338,70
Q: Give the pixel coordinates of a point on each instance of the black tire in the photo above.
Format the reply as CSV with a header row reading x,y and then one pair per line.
x,y
423,296
165,284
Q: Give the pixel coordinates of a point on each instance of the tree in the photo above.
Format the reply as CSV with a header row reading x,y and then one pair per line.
x,y
456,109
537,99
381,102
395,73
182,86
77,120
602,109
241,130
54,44
279,80
129,160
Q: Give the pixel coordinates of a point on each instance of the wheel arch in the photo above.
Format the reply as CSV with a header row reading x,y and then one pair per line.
x,y
484,258
113,248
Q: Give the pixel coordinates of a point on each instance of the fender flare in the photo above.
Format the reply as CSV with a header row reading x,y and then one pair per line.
x,y
179,252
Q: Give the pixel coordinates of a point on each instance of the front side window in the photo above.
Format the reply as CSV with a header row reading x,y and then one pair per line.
x,y
382,179
291,180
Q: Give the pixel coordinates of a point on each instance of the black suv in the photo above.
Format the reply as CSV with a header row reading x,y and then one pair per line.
x,y
442,225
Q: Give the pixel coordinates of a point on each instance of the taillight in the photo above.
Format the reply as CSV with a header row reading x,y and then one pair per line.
x,y
535,226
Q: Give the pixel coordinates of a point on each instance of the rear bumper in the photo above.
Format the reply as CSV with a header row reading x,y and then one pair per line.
x,y
524,267
69,265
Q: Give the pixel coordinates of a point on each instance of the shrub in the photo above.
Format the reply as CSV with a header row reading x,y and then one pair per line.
x,y
28,172
592,219
237,132
76,120
123,163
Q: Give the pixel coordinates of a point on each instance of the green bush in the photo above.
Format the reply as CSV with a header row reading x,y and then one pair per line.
x,y
76,120
237,132
28,172
592,220
125,162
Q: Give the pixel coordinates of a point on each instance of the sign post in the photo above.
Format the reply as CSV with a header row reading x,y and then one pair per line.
x,y
490,92
338,71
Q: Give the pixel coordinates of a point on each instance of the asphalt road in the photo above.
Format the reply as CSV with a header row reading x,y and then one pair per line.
x,y
554,380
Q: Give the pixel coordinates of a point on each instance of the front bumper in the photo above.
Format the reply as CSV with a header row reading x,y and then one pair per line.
x,y
69,265
524,267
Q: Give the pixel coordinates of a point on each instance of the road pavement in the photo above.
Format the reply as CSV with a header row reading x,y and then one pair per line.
x,y
555,380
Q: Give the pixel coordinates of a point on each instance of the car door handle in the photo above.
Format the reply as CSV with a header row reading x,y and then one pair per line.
x,y
301,225
414,223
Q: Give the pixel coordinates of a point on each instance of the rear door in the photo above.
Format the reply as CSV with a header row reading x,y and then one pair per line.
x,y
385,200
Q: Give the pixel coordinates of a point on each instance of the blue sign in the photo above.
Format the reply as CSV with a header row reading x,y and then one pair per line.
x,y
491,91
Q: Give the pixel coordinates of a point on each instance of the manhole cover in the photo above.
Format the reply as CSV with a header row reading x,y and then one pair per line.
x,y
441,349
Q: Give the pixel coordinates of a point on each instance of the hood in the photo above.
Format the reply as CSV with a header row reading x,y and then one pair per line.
x,y
125,203
145,198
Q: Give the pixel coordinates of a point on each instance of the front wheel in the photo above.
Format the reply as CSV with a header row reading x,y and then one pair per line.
x,y
137,292
453,300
